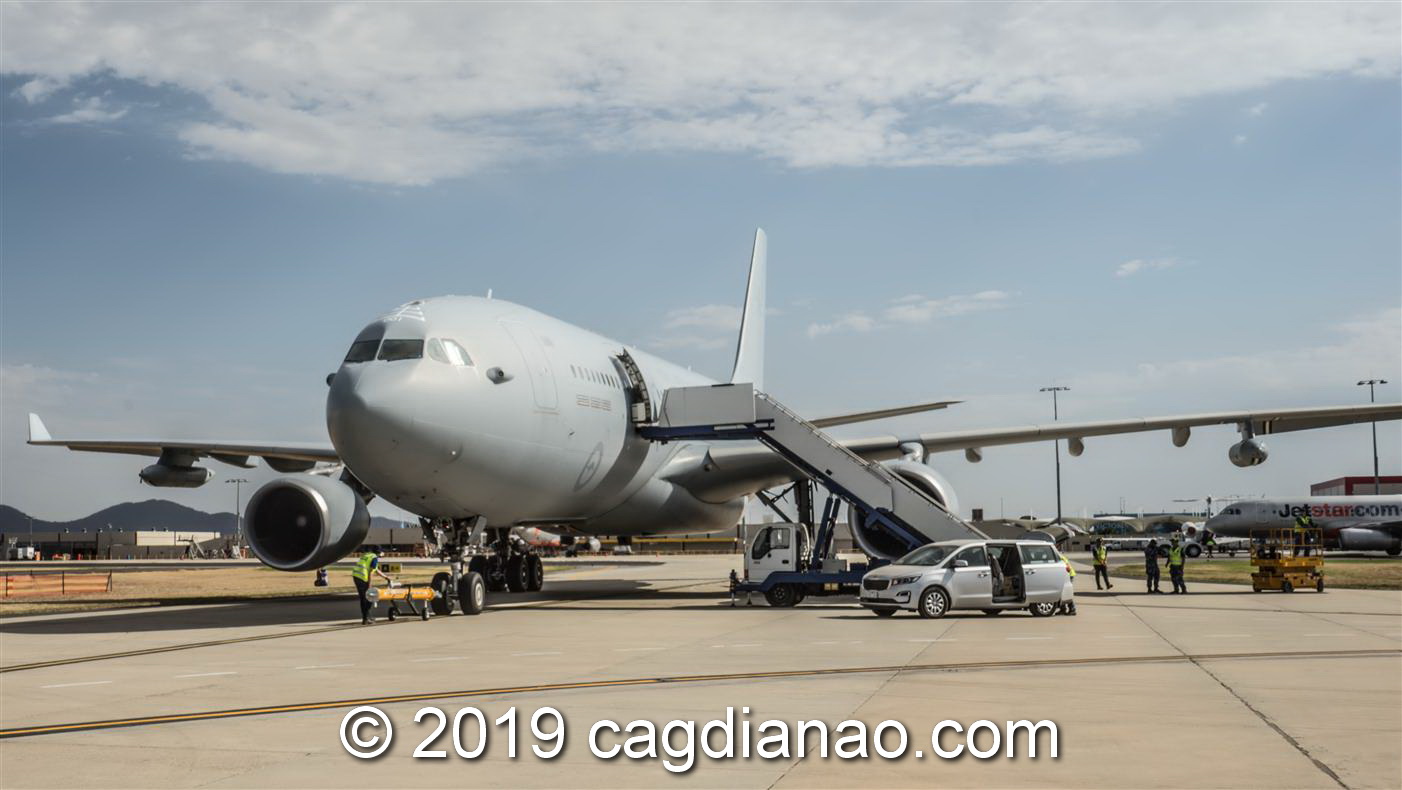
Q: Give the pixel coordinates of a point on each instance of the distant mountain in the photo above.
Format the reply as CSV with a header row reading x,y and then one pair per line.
x,y
151,514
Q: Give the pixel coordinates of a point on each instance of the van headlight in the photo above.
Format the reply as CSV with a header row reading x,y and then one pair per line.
x,y
903,580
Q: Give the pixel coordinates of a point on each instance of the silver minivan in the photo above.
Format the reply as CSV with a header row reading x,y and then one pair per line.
x,y
985,575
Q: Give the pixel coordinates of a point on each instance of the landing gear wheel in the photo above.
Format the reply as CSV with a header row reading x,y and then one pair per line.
x,y
392,615
1194,550
472,593
443,585
1043,609
535,573
883,612
516,573
933,603
424,613
485,566
992,612
1287,587
782,595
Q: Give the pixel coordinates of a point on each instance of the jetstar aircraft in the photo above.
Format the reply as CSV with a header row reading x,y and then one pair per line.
x,y
480,416
1352,523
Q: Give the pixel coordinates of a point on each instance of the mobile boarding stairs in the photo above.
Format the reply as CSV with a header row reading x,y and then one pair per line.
x,y
892,511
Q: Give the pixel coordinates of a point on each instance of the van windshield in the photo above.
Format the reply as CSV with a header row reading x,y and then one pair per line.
x,y
926,555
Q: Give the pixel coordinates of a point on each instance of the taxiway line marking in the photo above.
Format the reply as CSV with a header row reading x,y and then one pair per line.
x,y
71,685
59,662
52,729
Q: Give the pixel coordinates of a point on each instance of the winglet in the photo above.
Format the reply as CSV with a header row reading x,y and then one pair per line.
x,y
749,350
37,431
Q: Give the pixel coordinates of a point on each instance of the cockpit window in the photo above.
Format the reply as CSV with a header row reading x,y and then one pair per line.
x,y
444,350
362,350
392,350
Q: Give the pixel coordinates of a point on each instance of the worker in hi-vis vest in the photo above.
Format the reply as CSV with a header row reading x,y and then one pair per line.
x,y
368,563
1175,566
1301,542
1100,562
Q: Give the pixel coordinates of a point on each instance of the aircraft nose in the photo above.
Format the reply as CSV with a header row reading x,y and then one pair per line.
x,y
374,419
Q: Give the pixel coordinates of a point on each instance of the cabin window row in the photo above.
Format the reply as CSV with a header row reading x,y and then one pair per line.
x,y
585,374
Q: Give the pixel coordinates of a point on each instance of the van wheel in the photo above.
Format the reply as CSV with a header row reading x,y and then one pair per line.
x,y
933,603
992,612
782,595
1287,587
1319,585
883,612
1043,609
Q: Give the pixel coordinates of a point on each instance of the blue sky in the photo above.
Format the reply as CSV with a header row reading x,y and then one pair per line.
x,y
198,216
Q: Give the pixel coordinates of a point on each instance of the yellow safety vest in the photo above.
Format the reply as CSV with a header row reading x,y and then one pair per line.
x,y
1100,552
1175,556
1069,570
361,570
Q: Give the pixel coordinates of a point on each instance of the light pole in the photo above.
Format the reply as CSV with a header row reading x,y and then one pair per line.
x,y
1056,448
1377,484
238,517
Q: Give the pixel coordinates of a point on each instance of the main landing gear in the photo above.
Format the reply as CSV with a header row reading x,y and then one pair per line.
x,y
480,560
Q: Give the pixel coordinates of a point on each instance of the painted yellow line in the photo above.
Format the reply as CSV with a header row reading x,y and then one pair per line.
x,y
53,729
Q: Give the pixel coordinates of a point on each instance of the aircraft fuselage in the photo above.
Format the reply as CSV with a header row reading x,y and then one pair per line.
x,y
531,426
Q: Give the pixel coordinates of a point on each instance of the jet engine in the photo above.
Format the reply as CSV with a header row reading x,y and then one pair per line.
x,y
927,481
1248,452
303,522
1364,539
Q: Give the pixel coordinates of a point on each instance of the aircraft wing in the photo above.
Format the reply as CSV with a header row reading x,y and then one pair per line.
x,y
729,471
280,456
881,414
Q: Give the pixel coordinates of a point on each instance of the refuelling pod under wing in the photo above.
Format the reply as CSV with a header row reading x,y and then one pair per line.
x,y
874,541
303,522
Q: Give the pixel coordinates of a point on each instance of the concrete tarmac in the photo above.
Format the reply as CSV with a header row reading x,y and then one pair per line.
x,y
1219,688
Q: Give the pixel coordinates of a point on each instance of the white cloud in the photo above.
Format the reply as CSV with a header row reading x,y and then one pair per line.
x,y
1131,268
1257,110
917,309
1370,345
1239,140
90,109
913,309
720,317
409,95
851,322
38,89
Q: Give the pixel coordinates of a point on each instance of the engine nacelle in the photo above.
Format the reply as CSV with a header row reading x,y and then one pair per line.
x,y
1364,539
1248,452
304,522
164,476
927,481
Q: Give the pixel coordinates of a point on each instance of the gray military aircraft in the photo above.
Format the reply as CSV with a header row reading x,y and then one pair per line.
x,y
480,416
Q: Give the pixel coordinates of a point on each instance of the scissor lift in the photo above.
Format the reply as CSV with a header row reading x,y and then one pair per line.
x,y
1287,559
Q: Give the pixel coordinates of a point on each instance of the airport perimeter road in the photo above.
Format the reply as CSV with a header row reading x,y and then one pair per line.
x,y
1221,688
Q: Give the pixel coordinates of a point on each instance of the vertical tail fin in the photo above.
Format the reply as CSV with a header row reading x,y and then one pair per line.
x,y
749,350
